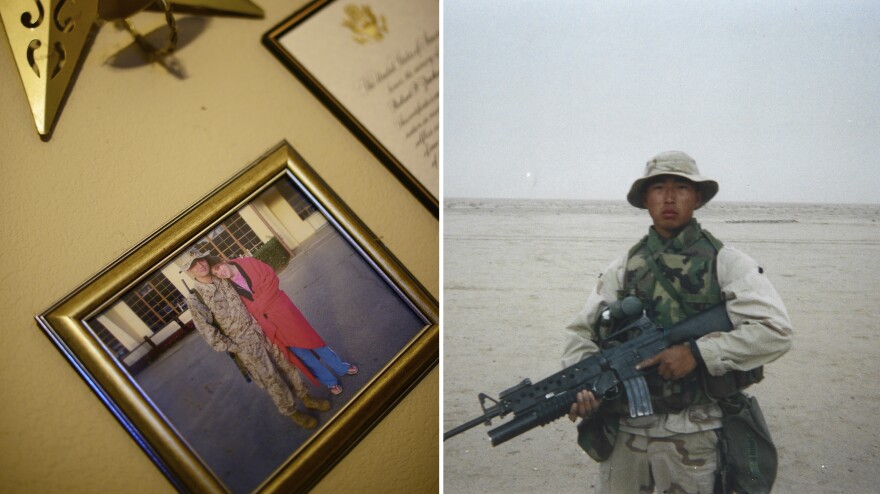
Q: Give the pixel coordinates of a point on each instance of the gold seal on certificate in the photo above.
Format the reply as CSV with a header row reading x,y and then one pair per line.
x,y
377,67
364,24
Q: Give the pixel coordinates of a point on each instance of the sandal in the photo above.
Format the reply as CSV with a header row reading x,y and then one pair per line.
x,y
352,370
336,389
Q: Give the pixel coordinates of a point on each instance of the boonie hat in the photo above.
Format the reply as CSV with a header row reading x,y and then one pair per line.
x,y
671,163
186,259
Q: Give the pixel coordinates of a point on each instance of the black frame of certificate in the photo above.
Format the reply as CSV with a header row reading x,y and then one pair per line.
x,y
399,169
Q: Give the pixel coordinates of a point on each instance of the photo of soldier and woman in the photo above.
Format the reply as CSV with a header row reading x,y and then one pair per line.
x,y
258,334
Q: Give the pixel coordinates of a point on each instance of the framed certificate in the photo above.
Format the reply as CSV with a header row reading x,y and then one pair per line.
x,y
376,65
258,381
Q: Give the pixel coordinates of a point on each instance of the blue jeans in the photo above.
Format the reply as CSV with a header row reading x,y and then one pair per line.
x,y
309,358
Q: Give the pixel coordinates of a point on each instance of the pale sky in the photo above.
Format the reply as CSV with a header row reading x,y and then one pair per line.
x,y
778,101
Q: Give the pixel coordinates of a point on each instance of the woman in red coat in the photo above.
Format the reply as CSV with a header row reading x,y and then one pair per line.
x,y
281,321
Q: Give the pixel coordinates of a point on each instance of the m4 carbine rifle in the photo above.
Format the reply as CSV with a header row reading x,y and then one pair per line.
x,y
602,373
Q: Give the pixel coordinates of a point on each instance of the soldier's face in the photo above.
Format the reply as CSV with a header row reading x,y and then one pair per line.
x,y
199,268
671,202
221,271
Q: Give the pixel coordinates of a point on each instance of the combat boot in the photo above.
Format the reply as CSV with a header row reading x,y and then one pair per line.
x,y
303,420
315,404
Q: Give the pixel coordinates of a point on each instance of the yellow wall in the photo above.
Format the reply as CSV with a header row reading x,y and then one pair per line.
x,y
123,319
119,327
254,221
283,219
133,148
179,279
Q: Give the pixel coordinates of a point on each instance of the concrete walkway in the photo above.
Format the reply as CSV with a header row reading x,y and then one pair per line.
x,y
232,424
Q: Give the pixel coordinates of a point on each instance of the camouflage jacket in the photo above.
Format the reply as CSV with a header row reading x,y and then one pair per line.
x,y
221,317
762,333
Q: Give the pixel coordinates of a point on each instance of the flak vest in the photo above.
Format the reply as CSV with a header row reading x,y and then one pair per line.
x,y
675,279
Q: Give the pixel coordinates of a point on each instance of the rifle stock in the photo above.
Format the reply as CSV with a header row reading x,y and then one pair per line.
x,y
603,373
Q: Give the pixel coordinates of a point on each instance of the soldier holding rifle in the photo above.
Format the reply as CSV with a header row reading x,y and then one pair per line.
x,y
677,270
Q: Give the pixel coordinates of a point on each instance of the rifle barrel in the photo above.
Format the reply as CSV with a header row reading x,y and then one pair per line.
x,y
467,425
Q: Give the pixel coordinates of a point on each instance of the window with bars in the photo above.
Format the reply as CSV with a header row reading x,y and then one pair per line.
x,y
233,238
107,337
156,301
297,200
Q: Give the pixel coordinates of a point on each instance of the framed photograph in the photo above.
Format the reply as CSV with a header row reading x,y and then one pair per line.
x,y
377,67
252,341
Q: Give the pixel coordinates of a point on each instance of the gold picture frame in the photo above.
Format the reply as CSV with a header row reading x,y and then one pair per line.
x,y
79,325
376,68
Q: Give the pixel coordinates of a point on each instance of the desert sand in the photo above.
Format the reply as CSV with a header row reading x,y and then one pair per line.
x,y
516,272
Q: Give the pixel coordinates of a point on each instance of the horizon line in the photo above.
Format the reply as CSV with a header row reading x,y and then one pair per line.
x,y
716,201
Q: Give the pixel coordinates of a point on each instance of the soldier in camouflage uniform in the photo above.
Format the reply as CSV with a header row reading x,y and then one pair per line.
x,y
224,322
677,270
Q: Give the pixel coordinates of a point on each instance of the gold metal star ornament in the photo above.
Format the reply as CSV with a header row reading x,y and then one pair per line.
x,y
48,39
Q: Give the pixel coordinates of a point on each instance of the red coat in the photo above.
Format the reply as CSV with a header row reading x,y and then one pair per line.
x,y
283,324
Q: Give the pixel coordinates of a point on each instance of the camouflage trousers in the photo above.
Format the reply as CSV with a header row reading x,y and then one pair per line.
x,y
679,464
270,370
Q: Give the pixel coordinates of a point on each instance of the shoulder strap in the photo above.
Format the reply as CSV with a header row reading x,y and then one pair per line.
x,y
198,295
658,275
635,248
712,240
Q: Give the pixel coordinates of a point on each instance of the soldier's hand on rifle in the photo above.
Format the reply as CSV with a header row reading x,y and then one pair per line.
x,y
673,363
585,405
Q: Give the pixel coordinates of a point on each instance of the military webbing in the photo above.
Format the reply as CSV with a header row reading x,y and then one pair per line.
x,y
670,289
658,276
689,262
